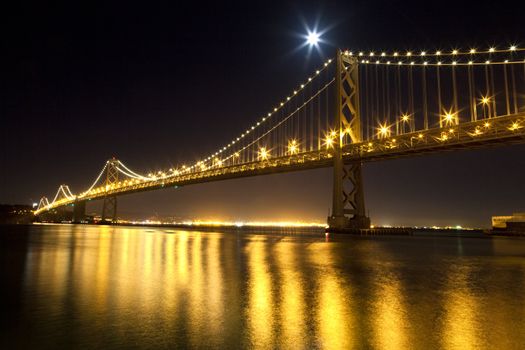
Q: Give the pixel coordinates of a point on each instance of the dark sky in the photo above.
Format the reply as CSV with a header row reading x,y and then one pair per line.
x,y
156,84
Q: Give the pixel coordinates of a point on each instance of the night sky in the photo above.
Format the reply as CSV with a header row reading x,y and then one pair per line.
x,y
159,84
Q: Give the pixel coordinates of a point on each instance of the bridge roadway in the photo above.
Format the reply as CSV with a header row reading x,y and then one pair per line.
x,y
468,135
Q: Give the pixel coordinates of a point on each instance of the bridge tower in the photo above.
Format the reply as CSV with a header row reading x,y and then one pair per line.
x,y
109,207
348,206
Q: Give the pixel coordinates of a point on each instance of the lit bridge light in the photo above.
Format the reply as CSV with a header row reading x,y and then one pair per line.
x,y
293,147
264,154
383,131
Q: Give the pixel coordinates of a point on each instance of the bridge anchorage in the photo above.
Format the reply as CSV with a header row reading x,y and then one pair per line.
x,y
356,108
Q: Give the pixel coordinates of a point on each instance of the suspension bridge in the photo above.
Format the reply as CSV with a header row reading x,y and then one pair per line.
x,y
358,107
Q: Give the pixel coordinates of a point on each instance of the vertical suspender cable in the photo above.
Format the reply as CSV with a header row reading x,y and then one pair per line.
x,y
369,105
367,101
305,114
487,89
285,126
397,90
312,103
319,100
387,72
494,107
424,92
242,153
383,100
370,115
523,71
440,104
284,135
376,88
506,82
514,97
398,99
253,147
470,96
455,94
298,115
327,127
290,122
474,102
411,99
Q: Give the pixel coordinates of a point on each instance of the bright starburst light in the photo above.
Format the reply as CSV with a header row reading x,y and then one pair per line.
x,y
312,38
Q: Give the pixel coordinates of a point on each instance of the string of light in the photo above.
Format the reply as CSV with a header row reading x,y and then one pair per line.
x,y
454,52
64,192
44,202
440,63
132,173
139,177
83,194
268,116
284,119
69,194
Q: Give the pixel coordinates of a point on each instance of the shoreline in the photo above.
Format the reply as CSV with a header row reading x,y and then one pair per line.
x,y
310,230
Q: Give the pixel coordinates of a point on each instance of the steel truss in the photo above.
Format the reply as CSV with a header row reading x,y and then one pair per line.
x,y
109,207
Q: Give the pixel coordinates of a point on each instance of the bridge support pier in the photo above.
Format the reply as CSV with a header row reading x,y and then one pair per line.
x,y
109,210
79,211
348,194
348,199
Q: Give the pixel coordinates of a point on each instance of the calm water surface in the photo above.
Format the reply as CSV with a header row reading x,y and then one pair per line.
x,y
67,286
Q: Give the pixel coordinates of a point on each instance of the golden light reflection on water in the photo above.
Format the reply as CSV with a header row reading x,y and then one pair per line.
x,y
124,286
292,295
334,317
133,287
102,270
387,305
261,308
182,258
52,271
169,280
389,321
214,288
460,328
196,290
197,313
